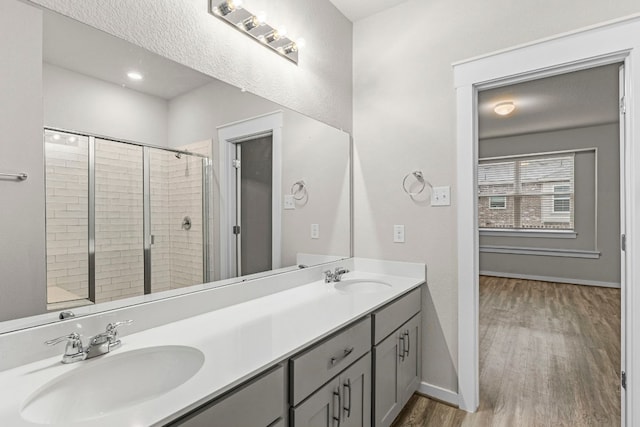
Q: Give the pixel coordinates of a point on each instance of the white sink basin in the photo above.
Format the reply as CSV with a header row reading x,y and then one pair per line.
x,y
361,286
99,387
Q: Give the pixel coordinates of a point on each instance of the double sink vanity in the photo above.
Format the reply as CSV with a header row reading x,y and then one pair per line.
x,y
297,349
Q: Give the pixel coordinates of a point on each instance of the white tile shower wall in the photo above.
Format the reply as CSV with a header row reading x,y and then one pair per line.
x,y
67,215
119,221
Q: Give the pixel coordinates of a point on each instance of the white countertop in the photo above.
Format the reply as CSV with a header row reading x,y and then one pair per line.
x,y
238,342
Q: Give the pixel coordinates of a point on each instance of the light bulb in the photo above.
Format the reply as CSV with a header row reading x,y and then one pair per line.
x,y
261,17
301,43
72,139
504,108
282,31
56,136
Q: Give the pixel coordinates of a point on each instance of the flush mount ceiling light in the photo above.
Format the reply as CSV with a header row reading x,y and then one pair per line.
x,y
135,76
254,26
504,108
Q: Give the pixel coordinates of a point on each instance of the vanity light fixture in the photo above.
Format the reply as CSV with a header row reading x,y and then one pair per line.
x,y
504,108
255,26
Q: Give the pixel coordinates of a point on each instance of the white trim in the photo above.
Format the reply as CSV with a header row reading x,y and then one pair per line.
x,y
228,135
519,250
607,43
551,279
439,393
548,234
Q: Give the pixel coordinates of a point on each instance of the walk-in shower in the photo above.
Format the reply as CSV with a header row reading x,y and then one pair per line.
x,y
115,212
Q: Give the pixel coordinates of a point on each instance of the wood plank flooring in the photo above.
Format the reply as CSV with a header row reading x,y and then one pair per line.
x,y
549,356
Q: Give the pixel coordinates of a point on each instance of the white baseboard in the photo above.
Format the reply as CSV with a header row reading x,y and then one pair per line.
x,y
551,279
439,393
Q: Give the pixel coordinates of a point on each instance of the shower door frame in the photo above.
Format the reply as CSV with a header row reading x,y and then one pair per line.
x,y
146,196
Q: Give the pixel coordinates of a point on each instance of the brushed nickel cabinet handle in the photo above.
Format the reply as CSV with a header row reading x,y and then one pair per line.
x,y
346,386
336,393
347,352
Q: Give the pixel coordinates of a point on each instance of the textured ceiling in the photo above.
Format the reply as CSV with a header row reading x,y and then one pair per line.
x,y
80,48
359,9
577,99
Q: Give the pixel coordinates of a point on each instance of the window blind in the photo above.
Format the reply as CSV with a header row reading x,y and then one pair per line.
x,y
533,192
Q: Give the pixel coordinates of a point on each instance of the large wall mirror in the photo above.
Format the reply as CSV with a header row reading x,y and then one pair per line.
x,y
158,179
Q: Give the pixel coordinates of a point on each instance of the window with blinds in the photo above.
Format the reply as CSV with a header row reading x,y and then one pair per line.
x,y
527,192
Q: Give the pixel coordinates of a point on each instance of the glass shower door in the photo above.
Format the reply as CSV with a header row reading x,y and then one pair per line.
x,y
176,216
119,222
67,172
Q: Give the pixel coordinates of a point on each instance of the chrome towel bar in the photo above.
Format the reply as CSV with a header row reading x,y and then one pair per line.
x,y
21,176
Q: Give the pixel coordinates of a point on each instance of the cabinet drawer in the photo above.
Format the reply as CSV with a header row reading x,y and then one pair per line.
x,y
391,317
259,403
316,366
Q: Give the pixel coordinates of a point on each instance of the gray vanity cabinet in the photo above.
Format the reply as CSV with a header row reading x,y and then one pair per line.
x,y
344,401
258,403
396,357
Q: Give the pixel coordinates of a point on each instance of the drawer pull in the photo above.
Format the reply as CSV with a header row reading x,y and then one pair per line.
x,y
339,405
334,360
347,386
406,334
401,349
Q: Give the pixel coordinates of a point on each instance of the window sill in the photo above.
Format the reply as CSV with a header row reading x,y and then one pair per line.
x,y
549,234
516,250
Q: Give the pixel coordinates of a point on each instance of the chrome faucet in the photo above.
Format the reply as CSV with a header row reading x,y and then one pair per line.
x,y
98,345
334,276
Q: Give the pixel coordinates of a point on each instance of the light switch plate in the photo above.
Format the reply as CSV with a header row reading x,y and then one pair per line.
x,y
398,233
289,201
441,196
315,231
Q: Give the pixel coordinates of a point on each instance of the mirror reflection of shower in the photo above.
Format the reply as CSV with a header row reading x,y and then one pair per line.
x,y
114,218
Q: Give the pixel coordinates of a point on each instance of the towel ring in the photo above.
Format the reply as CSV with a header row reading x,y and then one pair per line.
x,y
420,178
299,190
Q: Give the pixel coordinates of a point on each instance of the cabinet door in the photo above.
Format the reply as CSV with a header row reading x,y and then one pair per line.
x,y
259,403
410,364
321,409
387,401
355,383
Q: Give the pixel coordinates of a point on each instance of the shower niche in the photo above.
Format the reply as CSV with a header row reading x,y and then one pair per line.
x,y
115,213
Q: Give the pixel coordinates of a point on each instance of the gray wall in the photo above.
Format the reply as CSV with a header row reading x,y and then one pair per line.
x,y
404,119
606,268
77,102
22,235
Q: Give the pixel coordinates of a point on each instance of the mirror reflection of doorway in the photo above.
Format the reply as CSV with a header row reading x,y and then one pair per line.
x,y
254,199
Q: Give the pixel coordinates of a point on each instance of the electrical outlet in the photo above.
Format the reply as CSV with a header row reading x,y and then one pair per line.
x,y
289,201
315,231
398,233
441,196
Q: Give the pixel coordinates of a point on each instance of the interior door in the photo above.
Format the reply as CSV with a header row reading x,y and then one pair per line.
x,y
254,204
623,272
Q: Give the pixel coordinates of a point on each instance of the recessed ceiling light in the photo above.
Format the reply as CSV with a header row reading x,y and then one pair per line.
x,y
134,75
504,108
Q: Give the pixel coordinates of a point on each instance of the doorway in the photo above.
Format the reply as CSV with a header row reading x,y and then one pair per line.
x,y
606,44
548,201
250,177
254,199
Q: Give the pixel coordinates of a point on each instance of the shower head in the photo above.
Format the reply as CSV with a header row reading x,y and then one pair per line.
x,y
178,155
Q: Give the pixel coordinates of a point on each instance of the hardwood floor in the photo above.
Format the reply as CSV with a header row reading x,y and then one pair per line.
x,y
549,356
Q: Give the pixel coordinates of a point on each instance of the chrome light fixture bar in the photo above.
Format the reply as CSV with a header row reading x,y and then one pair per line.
x,y
232,12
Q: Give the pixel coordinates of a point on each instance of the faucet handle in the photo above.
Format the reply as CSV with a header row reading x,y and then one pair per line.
x,y
111,327
73,351
71,338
